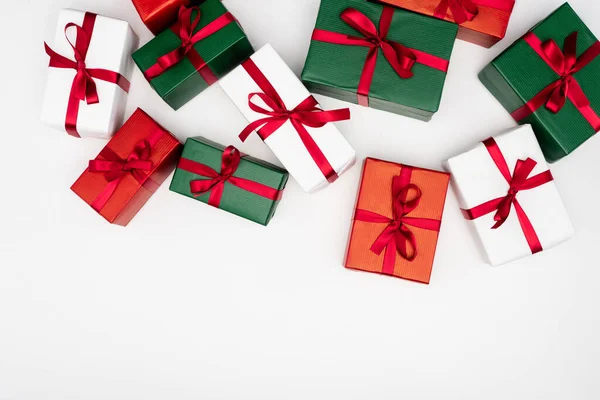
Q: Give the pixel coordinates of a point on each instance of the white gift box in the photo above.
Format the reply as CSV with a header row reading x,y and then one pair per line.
x,y
285,142
477,180
111,45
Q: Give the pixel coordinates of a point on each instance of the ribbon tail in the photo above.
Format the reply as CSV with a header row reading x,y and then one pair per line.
x,y
530,235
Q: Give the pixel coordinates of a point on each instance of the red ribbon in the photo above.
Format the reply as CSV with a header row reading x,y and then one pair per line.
x,y
184,29
83,87
518,181
215,183
462,10
305,114
565,64
400,57
114,168
397,238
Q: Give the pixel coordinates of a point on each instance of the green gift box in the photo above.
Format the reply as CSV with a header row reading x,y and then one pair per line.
x,y
549,79
224,178
202,47
342,51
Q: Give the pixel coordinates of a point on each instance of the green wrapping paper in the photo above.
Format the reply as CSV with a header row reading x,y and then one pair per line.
x,y
234,199
519,74
222,51
335,70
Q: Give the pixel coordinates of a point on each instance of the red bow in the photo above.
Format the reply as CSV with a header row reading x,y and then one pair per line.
x,y
306,113
83,87
115,168
401,58
216,183
136,164
566,64
462,10
518,181
397,236
188,23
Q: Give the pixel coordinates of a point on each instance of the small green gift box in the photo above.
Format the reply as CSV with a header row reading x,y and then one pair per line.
x,y
203,46
226,179
378,56
549,79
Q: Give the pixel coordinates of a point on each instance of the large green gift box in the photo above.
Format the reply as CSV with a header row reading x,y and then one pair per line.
x,y
179,71
550,79
340,53
224,178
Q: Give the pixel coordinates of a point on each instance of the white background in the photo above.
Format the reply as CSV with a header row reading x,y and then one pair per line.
x,y
189,302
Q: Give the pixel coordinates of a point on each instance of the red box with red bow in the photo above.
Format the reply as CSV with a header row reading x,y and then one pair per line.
x,y
136,161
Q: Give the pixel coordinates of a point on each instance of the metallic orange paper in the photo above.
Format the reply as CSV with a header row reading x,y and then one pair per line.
x,y
375,195
486,29
158,15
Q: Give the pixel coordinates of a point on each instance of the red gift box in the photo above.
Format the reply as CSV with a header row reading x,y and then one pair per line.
x,y
131,167
158,15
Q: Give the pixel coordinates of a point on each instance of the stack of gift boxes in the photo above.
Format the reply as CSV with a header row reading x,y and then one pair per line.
x,y
391,55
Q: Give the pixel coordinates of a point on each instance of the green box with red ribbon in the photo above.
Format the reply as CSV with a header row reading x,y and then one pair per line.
x,y
204,45
224,178
549,79
378,56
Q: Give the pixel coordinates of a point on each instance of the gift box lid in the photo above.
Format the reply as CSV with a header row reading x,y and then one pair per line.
x,y
375,197
519,74
477,180
209,49
339,67
234,199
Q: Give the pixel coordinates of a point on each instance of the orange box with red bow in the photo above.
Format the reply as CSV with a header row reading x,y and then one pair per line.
x,y
397,220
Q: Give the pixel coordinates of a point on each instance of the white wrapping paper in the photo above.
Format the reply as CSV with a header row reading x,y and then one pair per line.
x,y
285,142
111,46
476,179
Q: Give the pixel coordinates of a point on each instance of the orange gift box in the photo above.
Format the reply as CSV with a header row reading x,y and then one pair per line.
x,y
158,15
397,220
489,17
136,161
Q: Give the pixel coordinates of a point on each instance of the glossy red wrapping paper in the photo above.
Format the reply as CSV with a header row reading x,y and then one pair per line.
x,y
131,193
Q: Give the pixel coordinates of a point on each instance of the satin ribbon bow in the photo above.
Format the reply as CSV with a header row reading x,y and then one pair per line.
x,y
307,113
188,22
462,10
136,164
400,58
397,231
565,64
216,182
83,87
397,237
518,181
